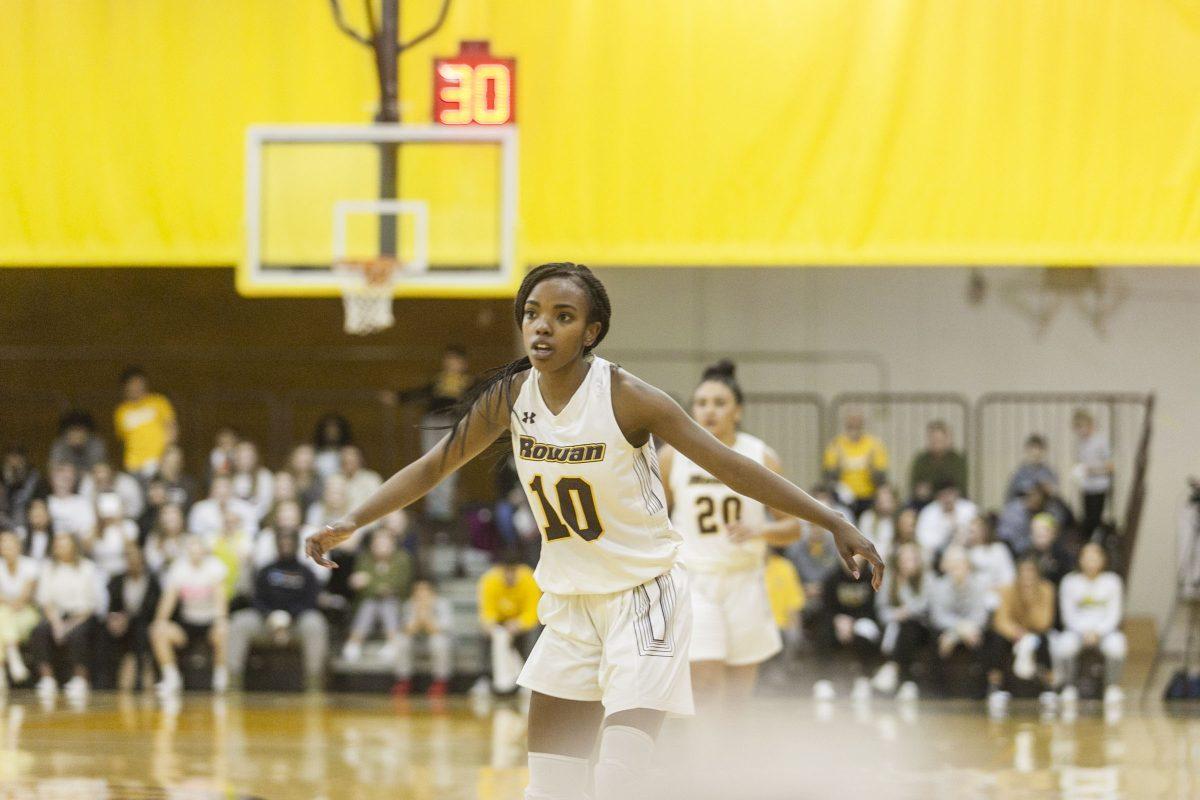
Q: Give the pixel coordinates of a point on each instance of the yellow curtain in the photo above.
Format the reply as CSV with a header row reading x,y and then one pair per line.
x,y
689,132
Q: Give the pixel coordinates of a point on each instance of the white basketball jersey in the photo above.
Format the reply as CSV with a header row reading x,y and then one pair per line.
x,y
598,500
704,507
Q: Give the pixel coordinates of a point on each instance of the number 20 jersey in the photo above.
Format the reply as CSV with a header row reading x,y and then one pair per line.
x,y
703,507
598,500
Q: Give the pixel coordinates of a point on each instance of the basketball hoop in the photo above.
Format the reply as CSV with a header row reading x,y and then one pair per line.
x,y
367,291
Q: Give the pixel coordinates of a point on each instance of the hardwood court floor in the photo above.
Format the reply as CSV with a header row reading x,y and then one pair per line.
x,y
366,747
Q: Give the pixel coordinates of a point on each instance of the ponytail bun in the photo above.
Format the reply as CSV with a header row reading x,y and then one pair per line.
x,y
722,369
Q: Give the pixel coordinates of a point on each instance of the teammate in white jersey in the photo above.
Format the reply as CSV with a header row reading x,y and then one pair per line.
x,y
725,538
613,656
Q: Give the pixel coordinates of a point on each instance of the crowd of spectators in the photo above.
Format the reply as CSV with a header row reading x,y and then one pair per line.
x,y
122,564
1015,594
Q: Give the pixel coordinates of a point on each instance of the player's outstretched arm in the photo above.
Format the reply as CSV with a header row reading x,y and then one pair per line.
x,y
643,410
486,421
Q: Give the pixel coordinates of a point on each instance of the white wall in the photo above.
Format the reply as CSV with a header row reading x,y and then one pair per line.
x,y
921,324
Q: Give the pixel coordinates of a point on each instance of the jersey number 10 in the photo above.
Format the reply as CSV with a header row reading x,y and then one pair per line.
x,y
731,511
578,507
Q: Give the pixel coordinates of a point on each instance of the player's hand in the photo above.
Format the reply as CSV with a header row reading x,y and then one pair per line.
x,y
739,533
330,537
850,543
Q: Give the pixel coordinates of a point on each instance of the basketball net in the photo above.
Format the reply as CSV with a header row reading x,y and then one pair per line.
x,y
367,293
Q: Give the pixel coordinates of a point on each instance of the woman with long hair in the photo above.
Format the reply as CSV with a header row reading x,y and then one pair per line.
x,y
616,605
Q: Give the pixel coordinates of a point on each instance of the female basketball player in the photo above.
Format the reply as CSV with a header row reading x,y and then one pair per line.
x,y
616,605
725,537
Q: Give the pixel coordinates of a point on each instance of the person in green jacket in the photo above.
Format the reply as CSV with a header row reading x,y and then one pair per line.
x,y
383,579
938,463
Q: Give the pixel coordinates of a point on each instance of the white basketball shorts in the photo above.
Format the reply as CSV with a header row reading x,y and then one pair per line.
x,y
627,649
731,618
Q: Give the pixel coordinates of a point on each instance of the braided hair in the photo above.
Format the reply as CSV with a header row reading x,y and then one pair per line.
x,y
599,310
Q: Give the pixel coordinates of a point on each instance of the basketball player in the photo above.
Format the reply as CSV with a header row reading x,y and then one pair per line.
x,y
725,537
616,605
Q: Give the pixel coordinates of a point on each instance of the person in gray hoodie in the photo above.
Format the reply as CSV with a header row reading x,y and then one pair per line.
x,y
957,605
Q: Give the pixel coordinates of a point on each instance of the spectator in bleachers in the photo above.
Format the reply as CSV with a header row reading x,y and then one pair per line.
x,y
285,606
302,465
20,483
156,498
334,503
360,481
182,489
1091,602
105,545
848,612
103,479
944,520
285,492
132,602
77,443
938,464
1093,470
18,615
251,481
903,610
428,616
381,579
878,523
508,600
1015,524
991,560
166,540
220,458
856,462
1033,470
786,596
814,553
38,533
194,608
67,593
70,511
906,528
144,422
207,517
1048,549
1020,637
233,547
439,398
287,521
331,435
957,605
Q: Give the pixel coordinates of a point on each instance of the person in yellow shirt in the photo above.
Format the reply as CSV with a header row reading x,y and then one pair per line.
x,y
786,596
508,601
144,422
857,461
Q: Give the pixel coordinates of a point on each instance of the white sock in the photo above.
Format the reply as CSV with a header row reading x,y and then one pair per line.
x,y
625,757
555,777
171,673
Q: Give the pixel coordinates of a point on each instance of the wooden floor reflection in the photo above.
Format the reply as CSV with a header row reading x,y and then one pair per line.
x,y
308,748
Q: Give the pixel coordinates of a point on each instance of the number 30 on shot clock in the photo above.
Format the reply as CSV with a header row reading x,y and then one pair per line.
x,y
474,87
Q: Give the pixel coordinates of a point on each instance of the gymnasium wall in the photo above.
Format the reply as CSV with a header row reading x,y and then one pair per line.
x,y
270,368
918,323
678,132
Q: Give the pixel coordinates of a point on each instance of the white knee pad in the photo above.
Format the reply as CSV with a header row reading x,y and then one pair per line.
x,y
867,629
625,757
555,777
1113,645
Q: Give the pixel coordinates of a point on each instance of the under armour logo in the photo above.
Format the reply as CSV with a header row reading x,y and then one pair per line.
x,y
527,417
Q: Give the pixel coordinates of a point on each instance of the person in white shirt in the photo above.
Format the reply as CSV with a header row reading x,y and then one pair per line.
x,y
106,548
991,560
360,481
166,540
1093,470
194,607
944,520
1090,602
70,512
333,505
18,616
878,523
103,479
251,481
207,517
68,595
